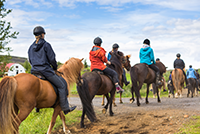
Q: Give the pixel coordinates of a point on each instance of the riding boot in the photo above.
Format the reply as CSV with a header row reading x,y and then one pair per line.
x,y
124,78
158,79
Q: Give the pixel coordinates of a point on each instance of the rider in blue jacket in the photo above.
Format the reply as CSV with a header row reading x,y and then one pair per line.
x,y
192,74
147,56
42,60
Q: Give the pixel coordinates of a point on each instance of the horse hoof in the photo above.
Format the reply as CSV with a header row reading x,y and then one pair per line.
x,y
104,111
114,104
67,132
102,104
131,100
147,102
159,101
121,102
138,105
111,114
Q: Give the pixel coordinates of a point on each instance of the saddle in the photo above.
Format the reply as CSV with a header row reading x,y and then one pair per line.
x,y
101,72
42,77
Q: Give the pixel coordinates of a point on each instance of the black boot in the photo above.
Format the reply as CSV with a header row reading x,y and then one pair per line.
x,y
69,110
158,79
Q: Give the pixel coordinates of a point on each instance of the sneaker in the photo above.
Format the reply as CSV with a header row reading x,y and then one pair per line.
x,y
127,83
164,90
119,89
69,110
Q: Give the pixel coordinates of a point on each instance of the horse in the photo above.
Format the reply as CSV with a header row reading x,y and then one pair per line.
x,y
126,64
94,83
141,73
178,80
159,87
21,93
170,88
191,87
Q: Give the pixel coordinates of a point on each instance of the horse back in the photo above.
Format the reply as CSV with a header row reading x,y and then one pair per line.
x,y
178,78
34,91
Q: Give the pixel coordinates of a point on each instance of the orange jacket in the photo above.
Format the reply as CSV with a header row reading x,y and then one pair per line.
x,y
98,58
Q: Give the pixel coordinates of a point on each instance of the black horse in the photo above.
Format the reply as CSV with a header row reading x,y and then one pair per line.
x,y
141,73
94,83
191,86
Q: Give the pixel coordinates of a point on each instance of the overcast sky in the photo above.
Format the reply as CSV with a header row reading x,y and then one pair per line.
x,y
172,26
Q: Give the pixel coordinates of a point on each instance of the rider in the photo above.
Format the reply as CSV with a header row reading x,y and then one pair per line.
x,y
179,63
197,74
147,56
98,58
192,74
163,78
115,48
42,57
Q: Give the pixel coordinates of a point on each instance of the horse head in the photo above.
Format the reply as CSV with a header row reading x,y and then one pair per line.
x,y
126,62
117,57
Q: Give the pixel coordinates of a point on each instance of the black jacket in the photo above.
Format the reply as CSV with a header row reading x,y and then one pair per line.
x,y
42,57
179,63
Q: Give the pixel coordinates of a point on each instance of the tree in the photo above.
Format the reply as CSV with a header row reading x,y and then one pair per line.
x,y
27,66
85,63
5,36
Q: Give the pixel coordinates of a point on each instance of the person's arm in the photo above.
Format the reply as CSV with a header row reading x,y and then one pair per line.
x,y
51,56
183,64
103,57
109,56
174,63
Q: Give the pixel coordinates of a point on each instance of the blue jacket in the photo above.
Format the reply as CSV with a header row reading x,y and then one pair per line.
x,y
109,56
42,57
146,55
191,73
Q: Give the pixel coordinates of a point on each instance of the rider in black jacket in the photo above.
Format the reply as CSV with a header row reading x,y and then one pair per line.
x,y
179,63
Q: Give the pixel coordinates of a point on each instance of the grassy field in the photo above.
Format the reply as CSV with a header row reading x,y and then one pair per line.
x,y
37,123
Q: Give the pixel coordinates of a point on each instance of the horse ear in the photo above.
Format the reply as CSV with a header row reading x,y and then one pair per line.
x,y
81,59
129,56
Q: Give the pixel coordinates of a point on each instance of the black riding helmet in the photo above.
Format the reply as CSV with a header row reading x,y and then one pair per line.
x,y
178,55
38,30
97,41
115,45
146,41
157,59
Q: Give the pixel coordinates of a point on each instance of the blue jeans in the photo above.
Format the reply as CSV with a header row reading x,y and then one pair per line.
x,y
111,73
61,84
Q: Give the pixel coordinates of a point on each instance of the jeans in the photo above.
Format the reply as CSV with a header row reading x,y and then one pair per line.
x,y
61,84
111,73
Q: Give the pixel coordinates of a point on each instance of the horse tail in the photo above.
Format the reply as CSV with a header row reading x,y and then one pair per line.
x,y
86,99
8,86
134,79
176,79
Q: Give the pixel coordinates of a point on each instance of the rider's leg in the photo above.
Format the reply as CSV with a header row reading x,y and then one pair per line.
x,y
156,69
61,84
124,77
114,75
185,77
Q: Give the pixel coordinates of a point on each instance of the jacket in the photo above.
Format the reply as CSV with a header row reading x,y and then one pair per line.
x,y
179,63
42,57
109,56
146,55
98,58
191,73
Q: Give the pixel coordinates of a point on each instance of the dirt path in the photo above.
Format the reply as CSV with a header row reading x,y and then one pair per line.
x,y
153,118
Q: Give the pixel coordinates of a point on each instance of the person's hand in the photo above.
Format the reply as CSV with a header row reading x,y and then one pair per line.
x,y
108,62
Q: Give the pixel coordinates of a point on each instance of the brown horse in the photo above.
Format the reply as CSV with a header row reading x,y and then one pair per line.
x,y
93,83
21,93
178,80
141,73
126,64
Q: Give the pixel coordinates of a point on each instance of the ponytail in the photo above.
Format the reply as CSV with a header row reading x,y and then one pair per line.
x,y
38,38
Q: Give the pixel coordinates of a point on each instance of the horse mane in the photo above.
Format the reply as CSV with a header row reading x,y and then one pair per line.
x,y
71,70
116,57
161,66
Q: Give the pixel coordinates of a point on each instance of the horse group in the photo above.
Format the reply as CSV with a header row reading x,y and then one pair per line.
x,y
21,93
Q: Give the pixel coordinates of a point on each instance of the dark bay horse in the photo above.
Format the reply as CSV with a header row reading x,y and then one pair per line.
x,y
191,87
178,80
21,93
141,73
94,83
126,64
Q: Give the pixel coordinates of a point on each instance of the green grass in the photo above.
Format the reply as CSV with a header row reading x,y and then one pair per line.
x,y
38,123
191,127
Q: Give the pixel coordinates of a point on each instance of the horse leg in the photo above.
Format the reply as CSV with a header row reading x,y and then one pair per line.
x,y
112,94
62,117
158,94
120,98
114,101
106,106
132,99
82,118
102,103
147,94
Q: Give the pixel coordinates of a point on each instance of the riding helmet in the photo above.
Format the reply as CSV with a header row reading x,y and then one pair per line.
x,y
178,55
38,30
157,59
115,45
190,66
146,41
97,41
